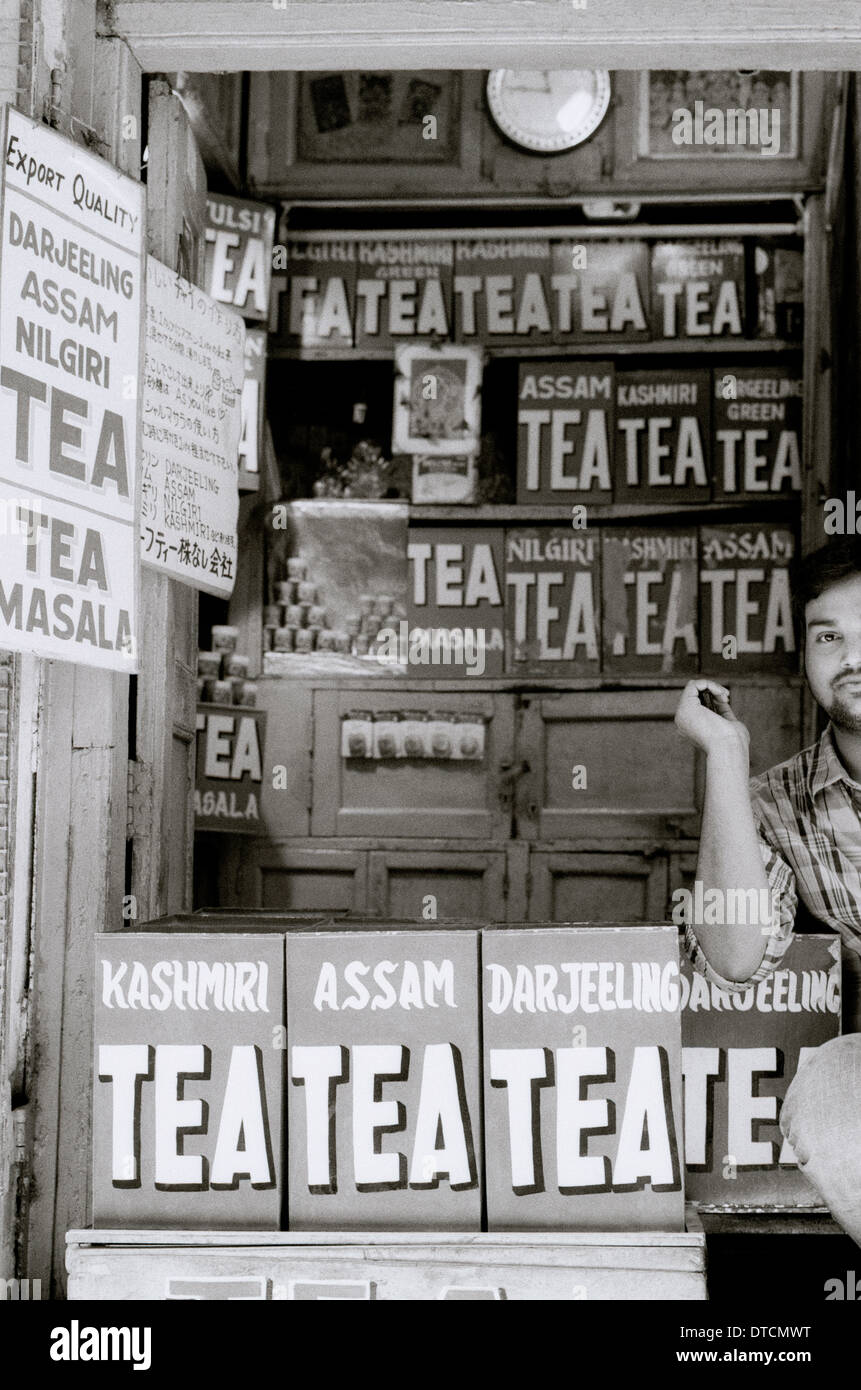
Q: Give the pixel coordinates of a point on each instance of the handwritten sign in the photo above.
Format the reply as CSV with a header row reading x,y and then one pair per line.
x,y
698,289
187,1080
650,600
70,330
238,262
757,432
745,602
663,439
229,770
552,601
565,422
191,404
383,1103
739,1053
582,1099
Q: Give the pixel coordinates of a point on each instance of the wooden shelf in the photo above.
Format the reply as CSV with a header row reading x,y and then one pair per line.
x,y
553,351
498,513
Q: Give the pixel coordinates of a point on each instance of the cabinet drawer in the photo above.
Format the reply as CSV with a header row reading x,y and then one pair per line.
x,y
468,887
637,778
597,887
310,880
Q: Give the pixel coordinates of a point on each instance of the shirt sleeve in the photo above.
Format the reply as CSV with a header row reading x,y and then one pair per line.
x,y
784,902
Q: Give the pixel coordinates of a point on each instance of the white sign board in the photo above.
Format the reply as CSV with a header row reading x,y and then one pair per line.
x,y
191,398
70,343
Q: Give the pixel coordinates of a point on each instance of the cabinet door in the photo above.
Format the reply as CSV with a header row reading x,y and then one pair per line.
x,y
567,887
280,878
466,887
436,799
604,765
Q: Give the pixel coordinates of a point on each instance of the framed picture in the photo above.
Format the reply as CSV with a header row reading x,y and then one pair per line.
x,y
378,117
437,400
685,114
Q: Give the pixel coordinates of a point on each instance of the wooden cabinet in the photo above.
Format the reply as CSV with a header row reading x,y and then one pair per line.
x,y
605,765
410,797
288,155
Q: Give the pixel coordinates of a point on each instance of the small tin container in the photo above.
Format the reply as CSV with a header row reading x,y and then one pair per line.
x,y
293,615
341,640
222,693
296,568
357,735
286,590
387,743
236,665
224,639
362,643
272,615
283,639
316,616
415,733
304,639
307,592
325,640
440,733
249,693
209,664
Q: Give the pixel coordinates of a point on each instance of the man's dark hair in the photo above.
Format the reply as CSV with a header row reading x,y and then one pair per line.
x,y
838,559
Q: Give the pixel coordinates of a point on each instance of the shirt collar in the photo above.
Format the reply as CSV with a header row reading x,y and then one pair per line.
x,y
826,767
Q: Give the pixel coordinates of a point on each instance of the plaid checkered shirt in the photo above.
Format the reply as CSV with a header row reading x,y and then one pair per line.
x,y
808,816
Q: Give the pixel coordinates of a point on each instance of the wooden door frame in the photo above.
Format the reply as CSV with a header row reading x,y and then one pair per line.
x,y
306,35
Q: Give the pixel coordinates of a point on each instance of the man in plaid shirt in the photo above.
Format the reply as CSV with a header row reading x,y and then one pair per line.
x,y
797,830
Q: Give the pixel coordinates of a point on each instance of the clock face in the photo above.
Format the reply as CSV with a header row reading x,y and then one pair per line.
x,y
548,111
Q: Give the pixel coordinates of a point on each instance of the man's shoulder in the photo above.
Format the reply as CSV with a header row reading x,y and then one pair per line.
x,y
786,781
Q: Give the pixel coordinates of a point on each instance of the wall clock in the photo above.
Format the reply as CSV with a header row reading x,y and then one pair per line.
x,y
546,112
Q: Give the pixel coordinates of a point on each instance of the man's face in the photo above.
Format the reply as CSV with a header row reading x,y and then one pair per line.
x,y
832,653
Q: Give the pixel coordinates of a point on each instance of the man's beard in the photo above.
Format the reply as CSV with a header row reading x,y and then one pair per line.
x,y
843,716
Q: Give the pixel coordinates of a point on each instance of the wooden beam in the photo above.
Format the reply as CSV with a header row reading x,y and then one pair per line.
x,y
237,35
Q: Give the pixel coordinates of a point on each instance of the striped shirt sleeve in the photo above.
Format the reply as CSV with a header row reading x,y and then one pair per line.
x,y
783,898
